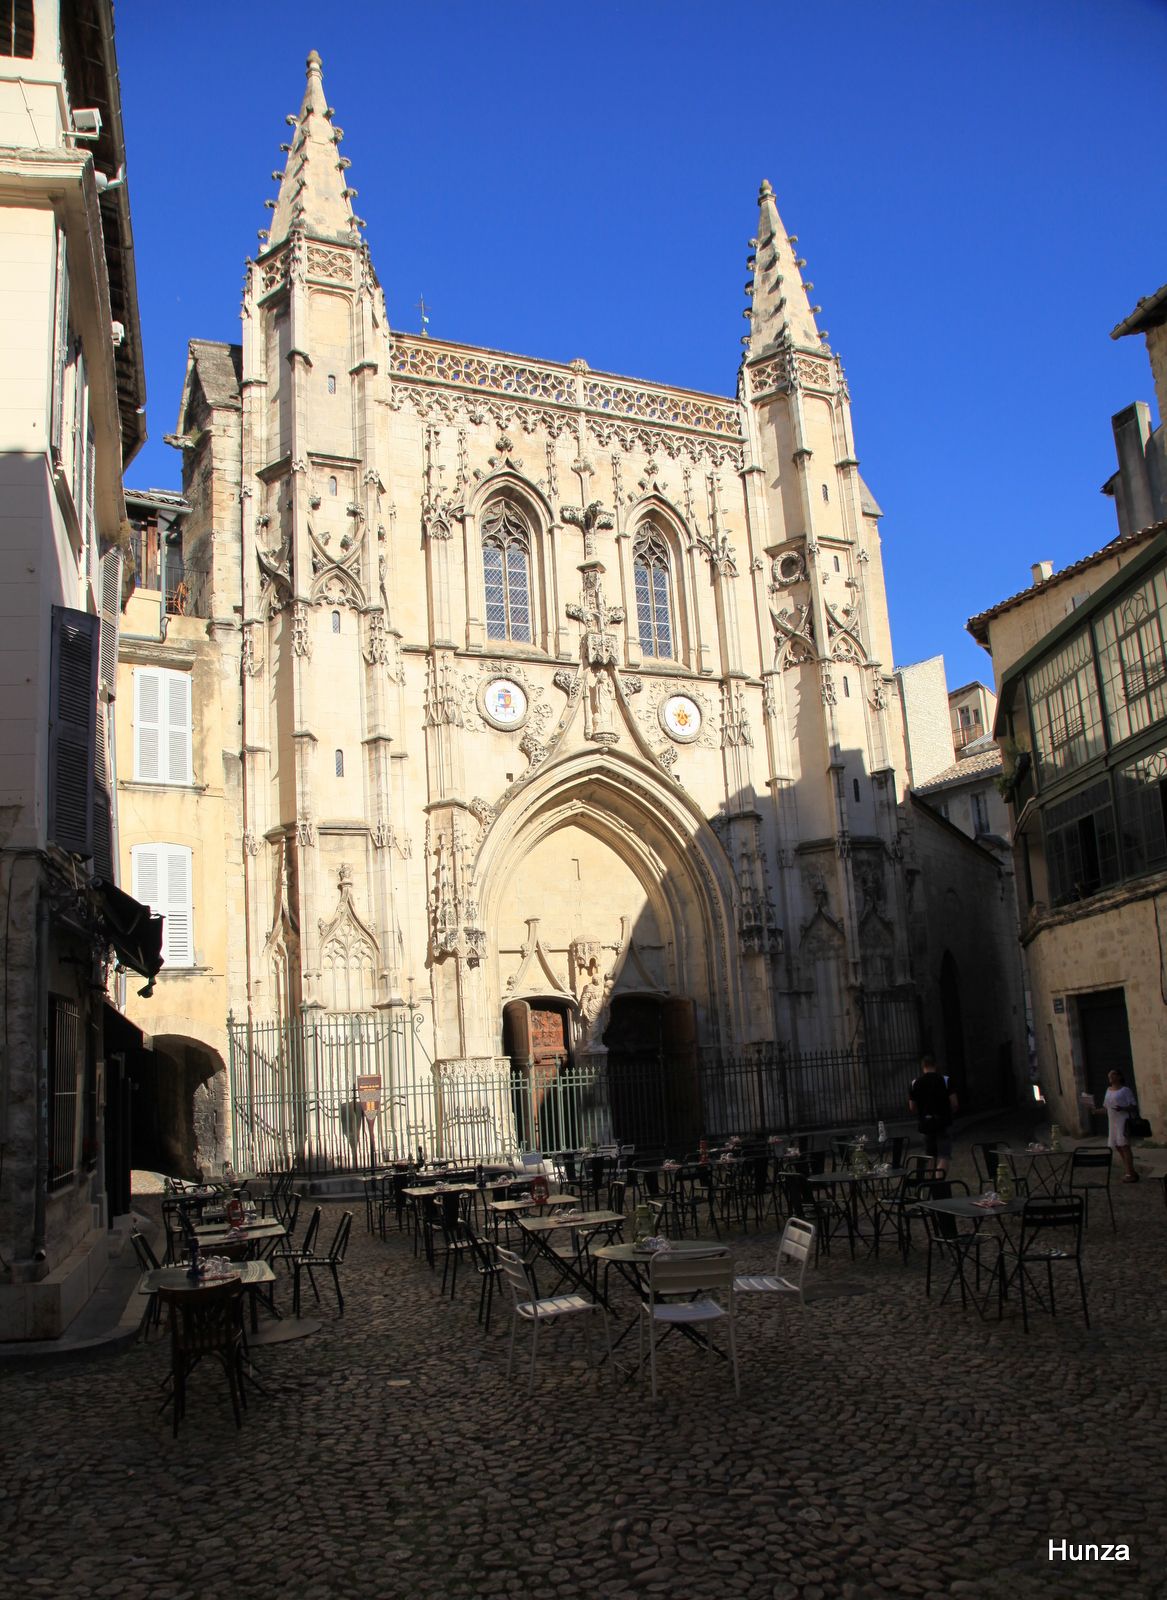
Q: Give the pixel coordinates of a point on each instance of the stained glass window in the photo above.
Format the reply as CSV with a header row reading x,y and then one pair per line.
x,y
650,562
506,563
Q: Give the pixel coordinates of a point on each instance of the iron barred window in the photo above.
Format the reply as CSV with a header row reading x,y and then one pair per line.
x,y
65,1061
1131,658
506,566
1067,713
650,564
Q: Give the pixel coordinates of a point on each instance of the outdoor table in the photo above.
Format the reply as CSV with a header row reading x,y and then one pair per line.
x,y
512,1208
1047,1168
632,1263
581,1223
968,1209
263,1232
253,1274
856,1183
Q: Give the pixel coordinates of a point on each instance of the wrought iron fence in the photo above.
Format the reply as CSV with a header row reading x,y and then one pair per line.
x,y
294,1097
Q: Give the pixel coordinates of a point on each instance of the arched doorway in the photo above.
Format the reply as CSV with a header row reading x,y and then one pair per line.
x,y
653,1085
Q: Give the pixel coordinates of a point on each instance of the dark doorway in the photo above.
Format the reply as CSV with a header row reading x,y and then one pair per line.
x,y
652,1073
952,1060
1106,1040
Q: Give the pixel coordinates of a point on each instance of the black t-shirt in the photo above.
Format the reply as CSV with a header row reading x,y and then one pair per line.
x,y
930,1098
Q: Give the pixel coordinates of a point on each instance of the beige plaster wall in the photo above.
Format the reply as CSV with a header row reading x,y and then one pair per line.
x,y
1116,948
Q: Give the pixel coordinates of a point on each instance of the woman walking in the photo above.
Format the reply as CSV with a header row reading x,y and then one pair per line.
x,y
1119,1102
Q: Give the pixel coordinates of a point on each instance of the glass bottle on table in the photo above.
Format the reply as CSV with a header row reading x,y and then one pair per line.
x,y
1005,1190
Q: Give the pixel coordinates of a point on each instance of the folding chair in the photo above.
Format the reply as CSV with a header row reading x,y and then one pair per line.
x,y
699,1278
305,1260
529,1308
794,1249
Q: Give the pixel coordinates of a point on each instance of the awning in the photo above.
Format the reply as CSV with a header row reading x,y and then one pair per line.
x,y
134,931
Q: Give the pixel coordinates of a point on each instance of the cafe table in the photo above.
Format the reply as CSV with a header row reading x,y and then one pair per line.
x,y
260,1236
1043,1168
856,1186
504,1210
632,1262
582,1225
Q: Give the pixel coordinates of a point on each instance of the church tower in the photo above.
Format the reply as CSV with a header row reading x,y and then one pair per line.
x,y
832,730
320,677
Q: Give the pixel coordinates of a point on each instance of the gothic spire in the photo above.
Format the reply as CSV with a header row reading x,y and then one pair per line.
x,y
781,311
314,195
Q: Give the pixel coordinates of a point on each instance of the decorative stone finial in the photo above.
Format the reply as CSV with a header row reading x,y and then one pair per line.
x,y
765,192
314,63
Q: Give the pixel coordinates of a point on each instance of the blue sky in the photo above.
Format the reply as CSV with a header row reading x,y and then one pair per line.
x,y
976,188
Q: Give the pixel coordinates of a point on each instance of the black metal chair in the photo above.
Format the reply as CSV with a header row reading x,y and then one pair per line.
x,y
333,1260
206,1322
148,1262
829,1213
1041,1218
483,1253
449,1218
1093,1158
960,1245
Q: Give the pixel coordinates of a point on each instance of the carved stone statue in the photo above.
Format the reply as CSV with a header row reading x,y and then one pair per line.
x,y
600,723
591,1003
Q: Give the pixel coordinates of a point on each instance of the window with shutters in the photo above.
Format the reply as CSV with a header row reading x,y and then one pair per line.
x,y
162,880
73,728
162,726
66,1044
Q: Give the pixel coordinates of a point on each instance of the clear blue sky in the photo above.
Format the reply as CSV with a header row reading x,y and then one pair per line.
x,y
977,188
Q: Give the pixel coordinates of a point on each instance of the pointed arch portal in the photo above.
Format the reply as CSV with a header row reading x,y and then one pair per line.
x,y
632,894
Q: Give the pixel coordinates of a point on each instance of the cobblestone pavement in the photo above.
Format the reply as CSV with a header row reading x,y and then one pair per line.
x,y
883,1446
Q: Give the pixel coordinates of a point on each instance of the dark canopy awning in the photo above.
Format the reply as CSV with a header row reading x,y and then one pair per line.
x,y
134,931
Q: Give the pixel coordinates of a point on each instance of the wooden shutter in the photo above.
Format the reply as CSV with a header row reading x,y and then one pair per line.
x,y
60,347
147,725
102,810
111,610
90,480
144,874
72,729
176,690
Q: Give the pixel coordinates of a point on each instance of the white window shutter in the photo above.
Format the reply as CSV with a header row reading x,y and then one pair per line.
x,y
178,727
178,944
147,732
144,859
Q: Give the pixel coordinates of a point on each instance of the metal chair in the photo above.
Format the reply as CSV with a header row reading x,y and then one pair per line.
x,y
960,1245
700,1278
1093,1158
206,1322
794,1250
304,1260
529,1308
148,1262
1039,1219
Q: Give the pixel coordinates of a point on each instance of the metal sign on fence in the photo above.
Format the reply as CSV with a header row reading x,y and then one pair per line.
x,y
369,1095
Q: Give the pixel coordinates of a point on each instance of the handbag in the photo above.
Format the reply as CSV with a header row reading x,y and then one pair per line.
x,y
1137,1126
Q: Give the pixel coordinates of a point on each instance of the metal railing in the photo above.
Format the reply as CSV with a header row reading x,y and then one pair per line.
x,y
294,1101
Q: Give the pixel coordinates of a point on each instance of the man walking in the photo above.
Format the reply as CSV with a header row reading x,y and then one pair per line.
x,y
935,1107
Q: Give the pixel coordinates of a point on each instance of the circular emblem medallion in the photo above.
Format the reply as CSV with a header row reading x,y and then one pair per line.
x,y
503,703
680,717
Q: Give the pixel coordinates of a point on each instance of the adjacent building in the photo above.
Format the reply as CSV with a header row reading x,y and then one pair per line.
x,y
1081,669
71,402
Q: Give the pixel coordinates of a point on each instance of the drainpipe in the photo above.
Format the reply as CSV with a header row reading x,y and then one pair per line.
x,y
40,1190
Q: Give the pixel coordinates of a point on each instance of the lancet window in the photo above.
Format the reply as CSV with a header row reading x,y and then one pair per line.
x,y
506,571
654,618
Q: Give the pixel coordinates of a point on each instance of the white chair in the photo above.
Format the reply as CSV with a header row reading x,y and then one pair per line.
x,y
701,1276
529,1308
794,1250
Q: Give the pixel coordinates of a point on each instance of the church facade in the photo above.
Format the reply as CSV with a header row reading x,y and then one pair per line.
x,y
567,725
